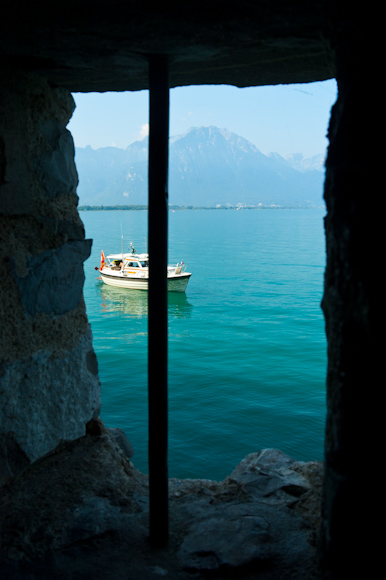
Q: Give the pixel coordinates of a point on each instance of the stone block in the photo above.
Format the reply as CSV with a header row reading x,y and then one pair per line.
x,y
54,283
47,400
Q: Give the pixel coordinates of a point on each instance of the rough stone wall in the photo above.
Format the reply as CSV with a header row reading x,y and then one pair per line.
x,y
49,386
352,310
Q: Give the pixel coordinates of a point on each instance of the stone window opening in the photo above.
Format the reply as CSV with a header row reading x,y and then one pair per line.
x,y
158,201
49,385
42,279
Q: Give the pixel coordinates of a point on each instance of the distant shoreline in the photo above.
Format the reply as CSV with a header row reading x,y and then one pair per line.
x,y
187,208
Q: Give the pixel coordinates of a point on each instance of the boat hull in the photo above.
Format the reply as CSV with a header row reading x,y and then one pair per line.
x,y
177,283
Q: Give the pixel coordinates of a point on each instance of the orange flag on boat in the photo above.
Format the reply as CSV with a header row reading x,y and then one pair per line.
x,y
102,260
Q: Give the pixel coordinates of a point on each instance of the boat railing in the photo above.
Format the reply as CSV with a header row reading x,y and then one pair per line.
x,y
178,269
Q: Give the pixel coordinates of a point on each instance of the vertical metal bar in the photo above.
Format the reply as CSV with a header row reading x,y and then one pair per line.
x,y
157,299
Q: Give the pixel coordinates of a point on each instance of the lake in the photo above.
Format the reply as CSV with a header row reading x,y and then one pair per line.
x,y
247,346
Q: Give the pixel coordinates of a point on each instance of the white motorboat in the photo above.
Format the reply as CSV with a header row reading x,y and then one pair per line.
x,y
131,270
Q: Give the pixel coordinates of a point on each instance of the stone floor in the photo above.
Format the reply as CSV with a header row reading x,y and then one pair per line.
x,y
82,512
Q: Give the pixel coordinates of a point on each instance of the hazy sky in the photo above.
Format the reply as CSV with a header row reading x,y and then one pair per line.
x,y
284,118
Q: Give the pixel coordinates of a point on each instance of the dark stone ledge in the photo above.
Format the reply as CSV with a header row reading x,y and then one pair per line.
x,y
100,48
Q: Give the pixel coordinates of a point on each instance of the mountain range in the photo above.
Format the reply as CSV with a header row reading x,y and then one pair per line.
x,y
208,167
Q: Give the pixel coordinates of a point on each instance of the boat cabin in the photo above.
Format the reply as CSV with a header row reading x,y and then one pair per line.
x,y
114,261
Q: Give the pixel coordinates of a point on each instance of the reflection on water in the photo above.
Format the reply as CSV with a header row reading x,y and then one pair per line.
x,y
131,302
134,302
178,305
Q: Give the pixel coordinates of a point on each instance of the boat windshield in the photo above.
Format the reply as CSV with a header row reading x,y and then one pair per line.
x,y
132,265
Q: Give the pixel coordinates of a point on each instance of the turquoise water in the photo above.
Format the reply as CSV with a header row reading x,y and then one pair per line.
x,y
247,349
